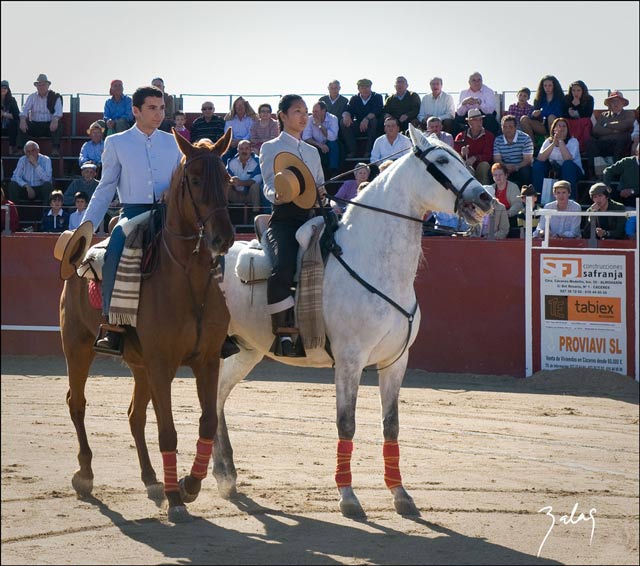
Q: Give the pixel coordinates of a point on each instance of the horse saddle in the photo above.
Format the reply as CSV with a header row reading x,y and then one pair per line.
x,y
255,261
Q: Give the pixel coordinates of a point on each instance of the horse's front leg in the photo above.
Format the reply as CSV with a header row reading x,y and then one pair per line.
x,y
207,383
390,380
160,377
347,377
137,423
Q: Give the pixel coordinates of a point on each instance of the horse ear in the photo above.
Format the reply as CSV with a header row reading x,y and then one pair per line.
x,y
222,145
184,146
415,135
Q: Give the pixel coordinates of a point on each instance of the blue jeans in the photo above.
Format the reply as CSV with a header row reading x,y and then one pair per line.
x,y
569,171
114,251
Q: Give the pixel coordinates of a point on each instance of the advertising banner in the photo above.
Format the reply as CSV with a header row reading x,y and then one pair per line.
x,y
583,311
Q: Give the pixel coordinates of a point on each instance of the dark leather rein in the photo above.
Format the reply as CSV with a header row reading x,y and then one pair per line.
x,y
198,309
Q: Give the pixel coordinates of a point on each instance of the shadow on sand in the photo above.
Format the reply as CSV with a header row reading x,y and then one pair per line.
x,y
292,539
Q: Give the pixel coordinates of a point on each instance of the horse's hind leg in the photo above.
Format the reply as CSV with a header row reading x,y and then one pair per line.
x,y
234,370
79,358
137,422
390,380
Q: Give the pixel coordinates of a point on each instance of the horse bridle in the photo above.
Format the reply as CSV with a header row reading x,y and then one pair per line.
x,y
197,309
432,169
201,222
439,176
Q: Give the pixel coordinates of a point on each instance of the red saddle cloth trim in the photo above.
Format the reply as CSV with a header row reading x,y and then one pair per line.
x,y
95,294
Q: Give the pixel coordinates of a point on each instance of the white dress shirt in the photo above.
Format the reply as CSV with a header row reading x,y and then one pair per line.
x,y
383,149
137,166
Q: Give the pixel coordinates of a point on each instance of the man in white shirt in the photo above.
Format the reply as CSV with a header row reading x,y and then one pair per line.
x,y
246,180
392,144
137,163
479,96
322,132
439,104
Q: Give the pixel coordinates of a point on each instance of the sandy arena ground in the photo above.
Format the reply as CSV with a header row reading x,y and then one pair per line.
x,y
481,455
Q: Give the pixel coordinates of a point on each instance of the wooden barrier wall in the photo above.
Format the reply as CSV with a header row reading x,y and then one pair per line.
x,y
471,294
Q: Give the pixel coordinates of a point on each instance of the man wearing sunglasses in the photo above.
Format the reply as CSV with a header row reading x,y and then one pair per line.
x,y
208,125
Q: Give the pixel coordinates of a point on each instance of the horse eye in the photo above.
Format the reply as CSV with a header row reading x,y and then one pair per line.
x,y
442,160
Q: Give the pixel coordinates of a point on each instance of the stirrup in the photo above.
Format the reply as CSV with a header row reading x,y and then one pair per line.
x,y
294,349
100,348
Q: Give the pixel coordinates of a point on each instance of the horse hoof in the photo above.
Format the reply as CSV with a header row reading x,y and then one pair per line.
x,y
406,507
349,504
186,496
155,492
404,503
82,486
179,514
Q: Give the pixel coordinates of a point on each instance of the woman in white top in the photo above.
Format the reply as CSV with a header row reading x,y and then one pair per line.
x,y
561,152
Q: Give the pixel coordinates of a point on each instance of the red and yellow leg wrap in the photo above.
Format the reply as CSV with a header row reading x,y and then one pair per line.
x,y
343,469
204,448
391,455
170,467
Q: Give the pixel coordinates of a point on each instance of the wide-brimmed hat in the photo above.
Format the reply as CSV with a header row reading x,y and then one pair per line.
x,y
616,95
71,247
88,165
474,113
94,126
293,181
528,191
42,78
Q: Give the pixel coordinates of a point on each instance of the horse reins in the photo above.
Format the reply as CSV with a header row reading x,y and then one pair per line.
x,y
335,249
198,309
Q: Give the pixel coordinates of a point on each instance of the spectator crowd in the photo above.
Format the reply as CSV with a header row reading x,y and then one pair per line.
x,y
542,147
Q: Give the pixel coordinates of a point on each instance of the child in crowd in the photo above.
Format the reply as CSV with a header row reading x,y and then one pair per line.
x,y
181,119
81,200
521,107
56,219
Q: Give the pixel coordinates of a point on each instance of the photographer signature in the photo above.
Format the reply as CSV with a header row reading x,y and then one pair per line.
x,y
567,520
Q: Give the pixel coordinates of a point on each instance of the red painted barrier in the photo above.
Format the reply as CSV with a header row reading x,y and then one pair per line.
x,y
471,294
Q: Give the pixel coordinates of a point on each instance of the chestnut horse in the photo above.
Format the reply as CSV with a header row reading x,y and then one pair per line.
x,y
182,320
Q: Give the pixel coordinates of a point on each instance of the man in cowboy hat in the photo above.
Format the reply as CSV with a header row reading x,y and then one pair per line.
x,y
40,116
475,145
291,169
611,134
